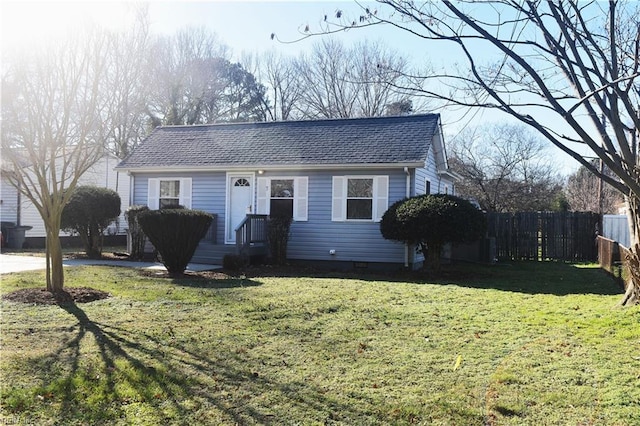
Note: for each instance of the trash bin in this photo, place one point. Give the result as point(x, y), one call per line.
point(16, 237)
point(4, 230)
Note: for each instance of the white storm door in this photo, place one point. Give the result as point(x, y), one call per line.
point(239, 202)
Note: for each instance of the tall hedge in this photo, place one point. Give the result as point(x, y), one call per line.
point(278, 234)
point(175, 233)
point(89, 212)
point(430, 221)
point(135, 231)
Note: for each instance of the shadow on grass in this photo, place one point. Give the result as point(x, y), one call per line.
point(202, 280)
point(215, 283)
point(556, 278)
point(165, 381)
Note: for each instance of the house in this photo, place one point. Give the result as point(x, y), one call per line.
point(335, 177)
point(16, 209)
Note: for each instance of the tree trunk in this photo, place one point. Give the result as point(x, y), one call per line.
point(431, 253)
point(632, 255)
point(55, 273)
point(93, 244)
point(55, 278)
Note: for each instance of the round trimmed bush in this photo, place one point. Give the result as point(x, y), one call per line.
point(89, 212)
point(430, 221)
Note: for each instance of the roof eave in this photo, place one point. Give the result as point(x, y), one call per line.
point(451, 174)
point(265, 167)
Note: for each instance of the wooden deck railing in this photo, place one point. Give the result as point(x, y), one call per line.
point(251, 232)
point(212, 235)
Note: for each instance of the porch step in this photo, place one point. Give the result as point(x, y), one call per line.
point(212, 254)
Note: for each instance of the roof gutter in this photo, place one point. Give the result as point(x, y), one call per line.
point(451, 174)
point(243, 167)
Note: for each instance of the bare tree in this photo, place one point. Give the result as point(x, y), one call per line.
point(124, 86)
point(552, 62)
point(350, 82)
point(284, 89)
point(51, 129)
point(327, 91)
point(505, 168)
point(585, 192)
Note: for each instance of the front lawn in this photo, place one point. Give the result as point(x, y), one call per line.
point(518, 344)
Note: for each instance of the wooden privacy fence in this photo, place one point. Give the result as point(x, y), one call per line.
point(608, 254)
point(615, 259)
point(569, 236)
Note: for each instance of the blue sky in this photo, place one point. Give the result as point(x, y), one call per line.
point(244, 26)
point(247, 26)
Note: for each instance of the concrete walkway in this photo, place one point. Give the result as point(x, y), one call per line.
point(14, 263)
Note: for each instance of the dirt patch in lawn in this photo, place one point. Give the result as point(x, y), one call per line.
point(40, 296)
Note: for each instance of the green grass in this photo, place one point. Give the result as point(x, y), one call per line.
point(539, 343)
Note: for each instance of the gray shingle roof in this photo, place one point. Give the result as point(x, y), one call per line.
point(383, 140)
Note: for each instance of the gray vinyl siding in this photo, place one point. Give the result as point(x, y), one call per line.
point(429, 172)
point(352, 241)
point(208, 192)
point(311, 239)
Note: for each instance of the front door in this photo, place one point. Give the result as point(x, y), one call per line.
point(239, 202)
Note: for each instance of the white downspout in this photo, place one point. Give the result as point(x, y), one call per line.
point(407, 194)
point(131, 199)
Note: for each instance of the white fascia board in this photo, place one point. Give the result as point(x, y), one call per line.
point(268, 167)
point(450, 173)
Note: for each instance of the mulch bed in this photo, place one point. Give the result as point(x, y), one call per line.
point(70, 295)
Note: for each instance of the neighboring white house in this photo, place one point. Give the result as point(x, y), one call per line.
point(9, 200)
point(615, 227)
point(19, 210)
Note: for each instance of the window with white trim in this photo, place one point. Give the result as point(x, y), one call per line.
point(427, 186)
point(286, 196)
point(169, 194)
point(281, 197)
point(166, 193)
point(359, 198)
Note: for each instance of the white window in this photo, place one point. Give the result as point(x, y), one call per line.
point(427, 186)
point(359, 198)
point(284, 196)
point(169, 192)
point(363, 198)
